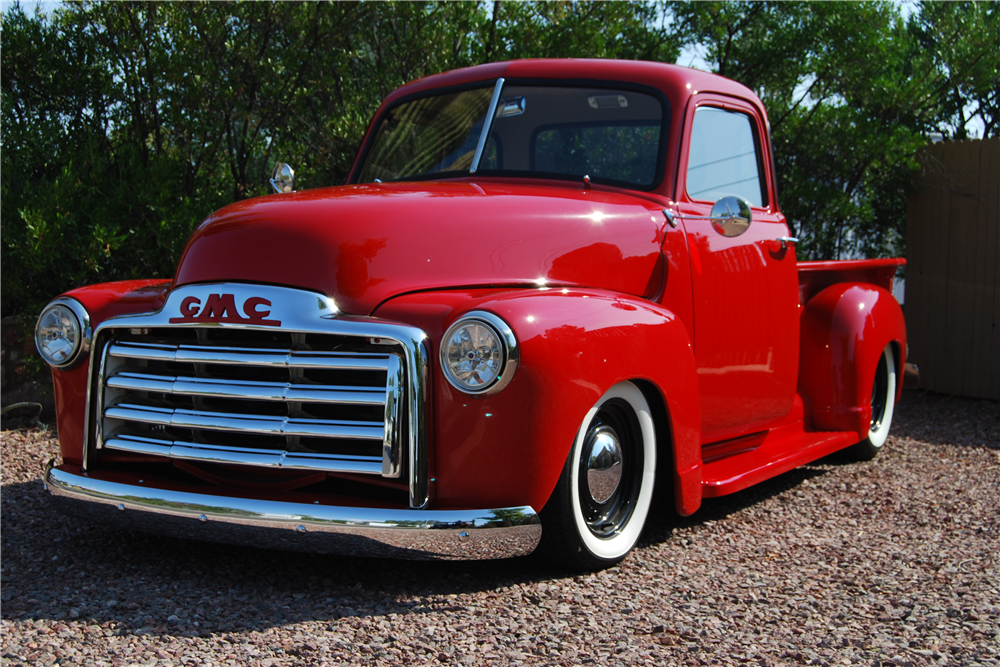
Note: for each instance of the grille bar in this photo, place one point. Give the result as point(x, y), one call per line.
point(175, 449)
point(327, 365)
point(262, 391)
point(196, 354)
point(245, 423)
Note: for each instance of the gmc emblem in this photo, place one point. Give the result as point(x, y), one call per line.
point(222, 308)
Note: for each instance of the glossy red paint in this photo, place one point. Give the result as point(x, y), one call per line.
point(678, 84)
point(70, 386)
point(574, 345)
point(364, 244)
point(128, 297)
point(814, 277)
point(745, 302)
point(845, 328)
point(70, 392)
point(753, 364)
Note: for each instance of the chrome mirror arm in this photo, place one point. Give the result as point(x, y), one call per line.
point(731, 216)
point(672, 218)
point(487, 126)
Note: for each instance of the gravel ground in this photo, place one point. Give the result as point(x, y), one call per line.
point(892, 562)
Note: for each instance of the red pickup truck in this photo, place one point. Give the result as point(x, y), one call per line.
point(547, 288)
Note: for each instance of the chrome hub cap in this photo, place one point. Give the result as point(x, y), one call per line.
point(610, 469)
point(604, 463)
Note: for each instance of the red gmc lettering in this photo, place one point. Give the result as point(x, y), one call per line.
point(222, 308)
point(190, 306)
point(250, 308)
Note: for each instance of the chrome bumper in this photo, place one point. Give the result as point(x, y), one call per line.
point(355, 531)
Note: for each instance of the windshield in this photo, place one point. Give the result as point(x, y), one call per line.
point(563, 132)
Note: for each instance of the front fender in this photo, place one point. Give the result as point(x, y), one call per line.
point(102, 302)
point(574, 344)
point(845, 328)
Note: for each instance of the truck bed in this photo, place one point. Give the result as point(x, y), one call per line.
point(815, 276)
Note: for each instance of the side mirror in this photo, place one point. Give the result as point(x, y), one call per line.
point(283, 179)
point(731, 216)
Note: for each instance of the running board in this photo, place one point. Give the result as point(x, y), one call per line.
point(779, 451)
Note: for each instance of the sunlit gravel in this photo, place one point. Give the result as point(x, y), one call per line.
point(891, 562)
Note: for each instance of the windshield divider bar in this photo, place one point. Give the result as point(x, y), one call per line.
point(487, 126)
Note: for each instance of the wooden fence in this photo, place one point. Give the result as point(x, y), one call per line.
point(953, 269)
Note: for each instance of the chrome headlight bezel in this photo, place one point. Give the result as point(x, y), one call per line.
point(79, 322)
point(507, 342)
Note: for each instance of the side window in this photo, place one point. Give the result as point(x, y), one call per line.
point(724, 157)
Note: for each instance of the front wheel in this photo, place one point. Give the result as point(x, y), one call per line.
point(882, 401)
point(599, 506)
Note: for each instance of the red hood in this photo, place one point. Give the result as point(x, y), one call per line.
point(363, 244)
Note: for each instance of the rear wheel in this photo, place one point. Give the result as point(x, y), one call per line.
point(882, 401)
point(599, 506)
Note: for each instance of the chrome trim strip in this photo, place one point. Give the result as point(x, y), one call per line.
point(249, 389)
point(238, 423)
point(487, 126)
point(299, 311)
point(392, 437)
point(252, 357)
point(99, 389)
point(266, 458)
point(357, 531)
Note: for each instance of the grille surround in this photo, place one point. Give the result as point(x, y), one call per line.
point(401, 435)
point(119, 377)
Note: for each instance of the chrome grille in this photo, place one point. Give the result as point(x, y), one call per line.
point(272, 401)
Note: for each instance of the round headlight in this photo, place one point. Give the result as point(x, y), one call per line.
point(479, 353)
point(62, 332)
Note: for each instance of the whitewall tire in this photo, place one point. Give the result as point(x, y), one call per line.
point(600, 505)
point(883, 400)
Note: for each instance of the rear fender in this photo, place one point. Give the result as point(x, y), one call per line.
point(574, 344)
point(845, 328)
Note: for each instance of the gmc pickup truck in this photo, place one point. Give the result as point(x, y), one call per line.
point(548, 288)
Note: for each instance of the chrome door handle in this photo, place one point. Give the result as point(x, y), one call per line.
point(785, 240)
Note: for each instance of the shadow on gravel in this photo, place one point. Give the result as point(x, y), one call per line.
point(662, 521)
point(55, 568)
point(138, 583)
point(60, 569)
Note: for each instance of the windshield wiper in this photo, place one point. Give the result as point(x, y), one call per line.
point(487, 126)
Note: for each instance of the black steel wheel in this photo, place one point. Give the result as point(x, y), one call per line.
point(598, 509)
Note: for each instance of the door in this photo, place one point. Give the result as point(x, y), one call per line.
point(745, 282)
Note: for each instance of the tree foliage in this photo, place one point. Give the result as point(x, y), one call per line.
point(852, 92)
point(126, 123)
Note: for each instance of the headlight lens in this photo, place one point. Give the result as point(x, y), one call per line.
point(479, 353)
point(60, 335)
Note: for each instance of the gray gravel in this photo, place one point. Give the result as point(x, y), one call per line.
point(892, 562)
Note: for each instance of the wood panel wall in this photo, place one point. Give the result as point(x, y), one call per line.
point(953, 269)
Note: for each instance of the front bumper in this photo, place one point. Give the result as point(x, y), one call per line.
point(355, 531)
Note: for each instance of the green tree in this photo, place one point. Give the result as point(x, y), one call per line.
point(852, 91)
point(125, 124)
